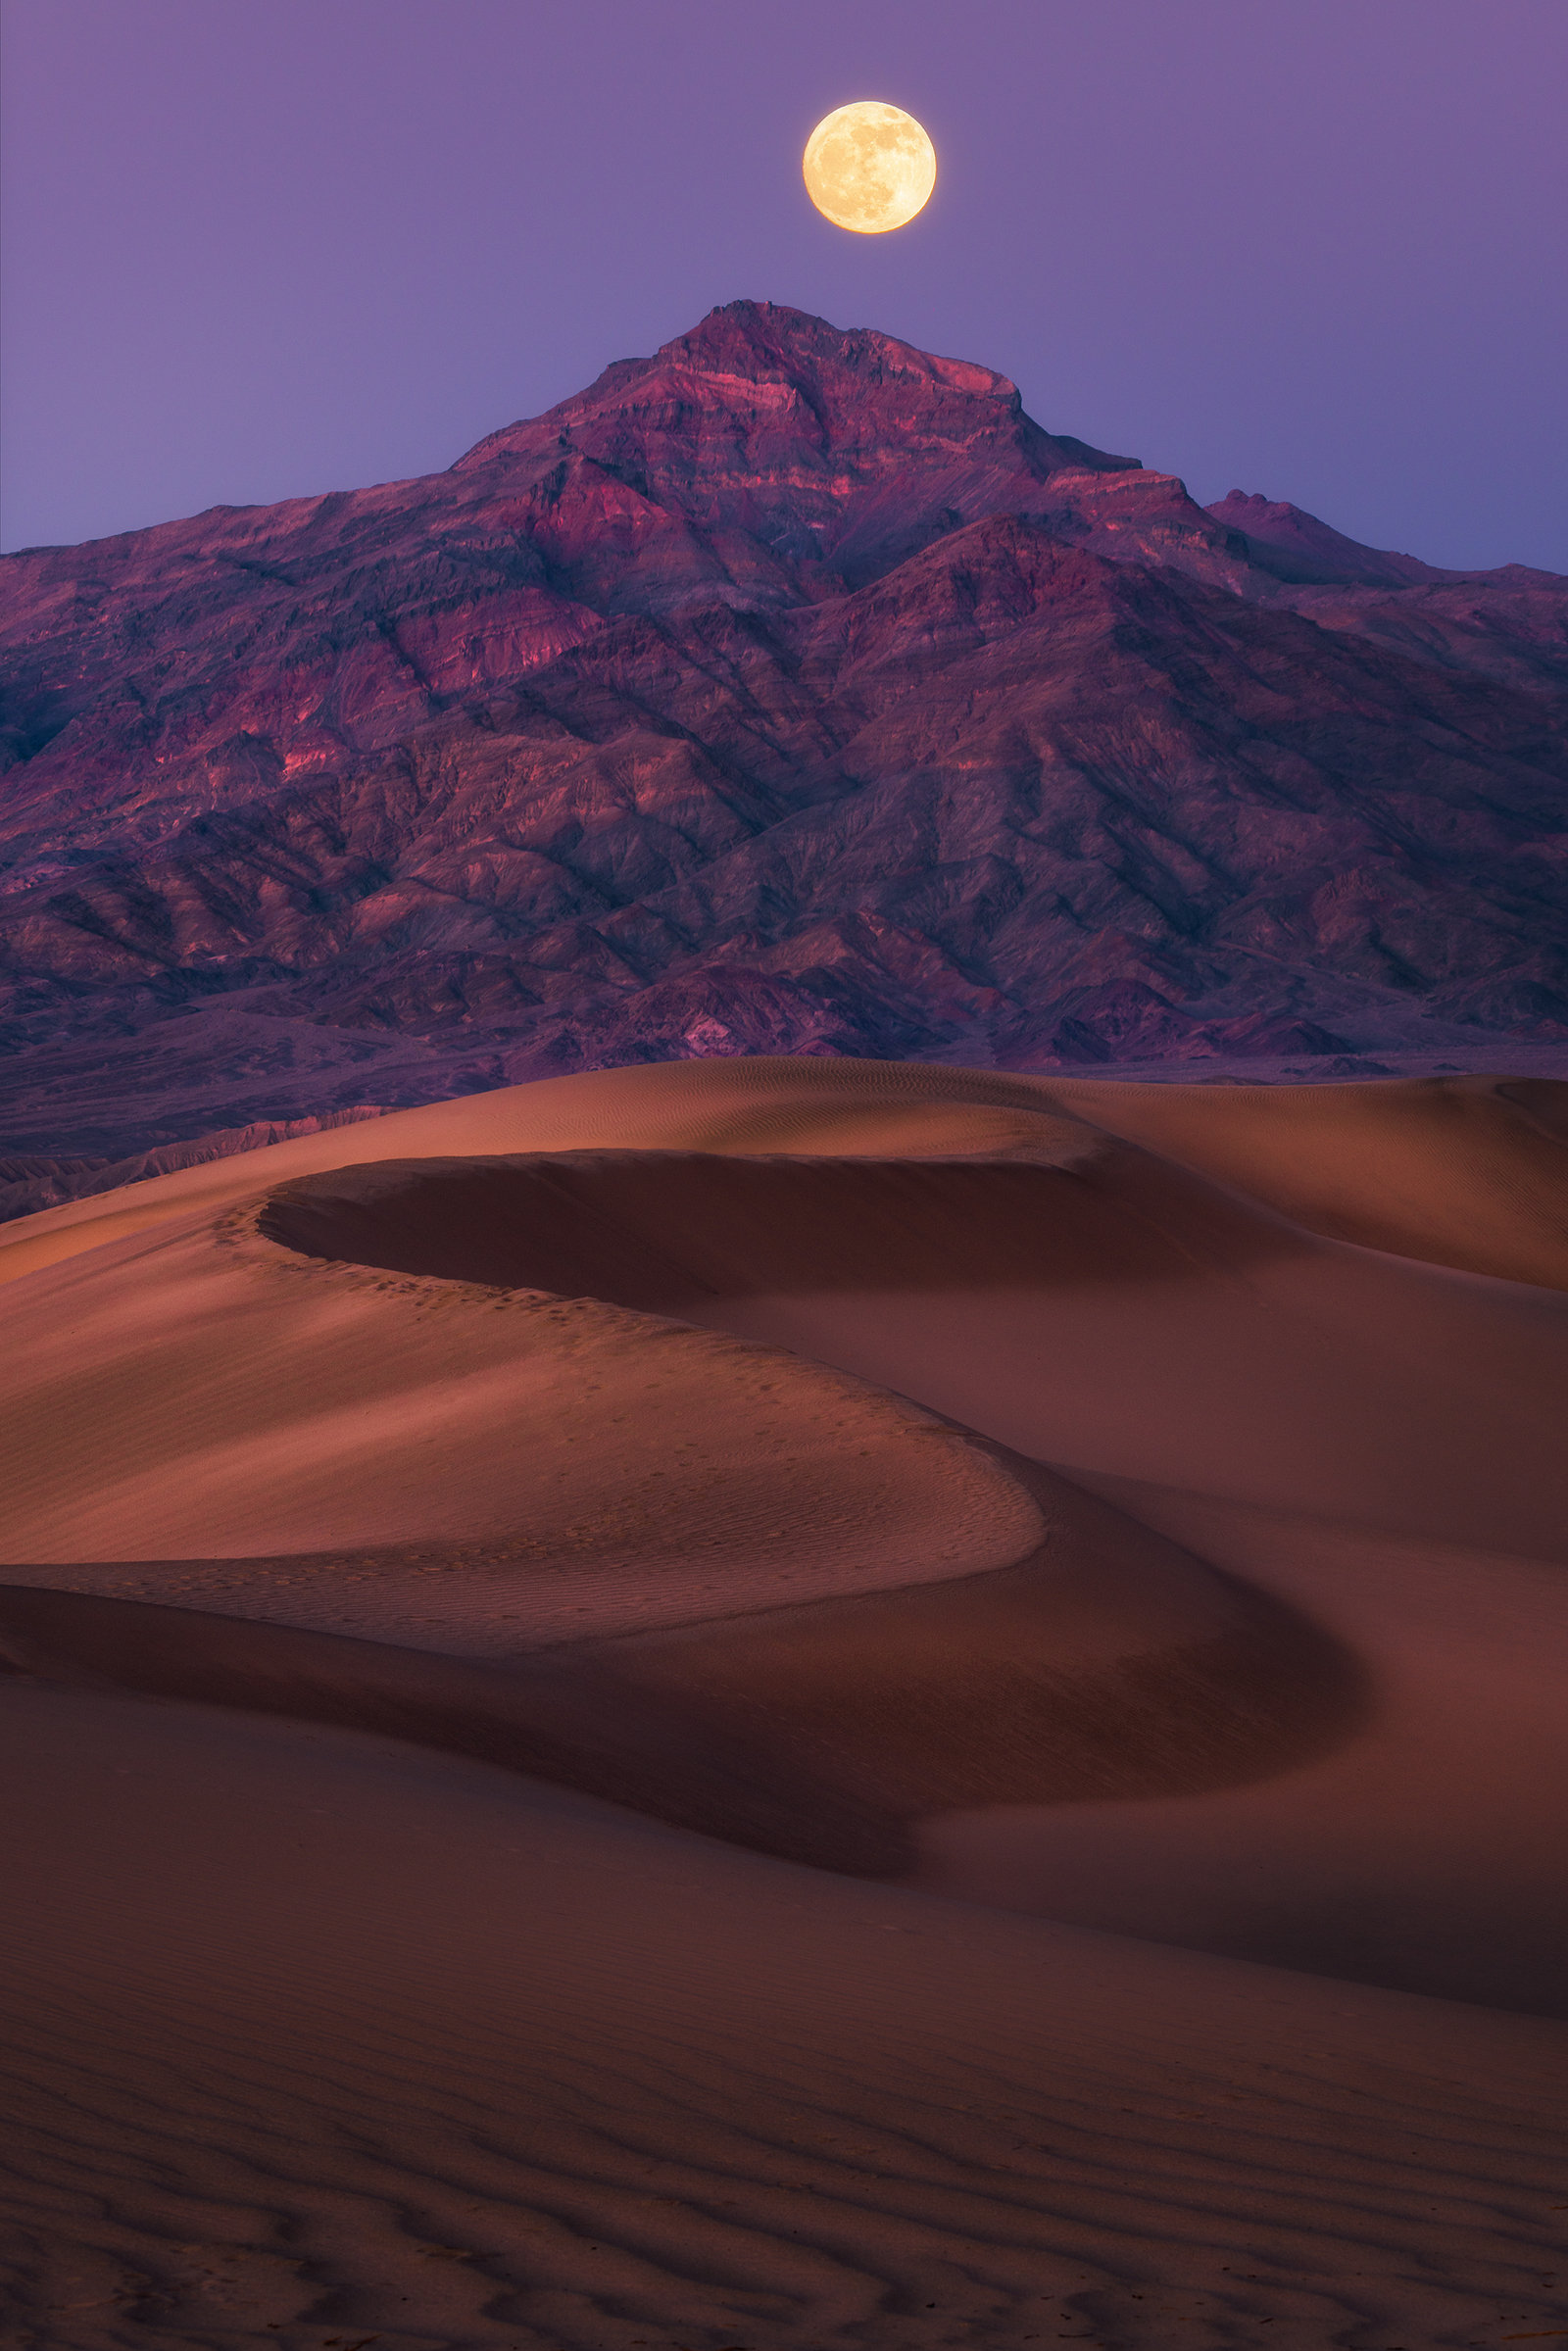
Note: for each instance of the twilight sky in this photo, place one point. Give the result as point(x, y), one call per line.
point(1318, 248)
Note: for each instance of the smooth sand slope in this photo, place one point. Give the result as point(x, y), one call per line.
point(546, 1652)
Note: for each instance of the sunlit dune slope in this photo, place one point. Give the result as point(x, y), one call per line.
point(523, 1468)
point(1118, 1315)
point(1468, 1172)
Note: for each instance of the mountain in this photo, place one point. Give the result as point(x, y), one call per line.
point(788, 691)
point(1295, 547)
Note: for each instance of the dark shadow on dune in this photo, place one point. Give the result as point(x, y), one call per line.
point(817, 1732)
point(663, 1231)
point(1543, 1099)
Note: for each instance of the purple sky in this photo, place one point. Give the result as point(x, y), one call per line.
point(1317, 250)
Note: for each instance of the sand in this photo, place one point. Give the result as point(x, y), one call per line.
point(791, 1703)
point(1463, 1171)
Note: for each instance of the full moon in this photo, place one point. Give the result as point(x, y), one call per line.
point(869, 167)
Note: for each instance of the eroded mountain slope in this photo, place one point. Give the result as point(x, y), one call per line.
point(788, 691)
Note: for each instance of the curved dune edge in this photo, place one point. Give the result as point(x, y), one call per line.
point(1119, 1302)
point(452, 1464)
point(902, 1617)
point(1470, 1172)
point(841, 1610)
point(1117, 1316)
point(1111, 1667)
point(671, 1232)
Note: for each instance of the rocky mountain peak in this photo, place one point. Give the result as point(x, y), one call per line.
point(761, 338)
point(776, 423)
point(789, 689)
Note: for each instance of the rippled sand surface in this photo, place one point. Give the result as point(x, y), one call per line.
point(797, 1704)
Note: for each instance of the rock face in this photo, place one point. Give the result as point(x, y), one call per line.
point(28, 1184)
point(788, 691)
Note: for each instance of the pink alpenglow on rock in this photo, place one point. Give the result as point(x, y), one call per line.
point(790, 691)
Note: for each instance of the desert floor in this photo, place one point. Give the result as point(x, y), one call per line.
point(796, 1703)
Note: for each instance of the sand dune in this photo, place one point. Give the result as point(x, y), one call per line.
point(1426, 1850)
point(199, 1393)
point(551, 1646)
point(1116, 1315)
point(1115, 1667)
point(1466, 1172)
point(322, 2035)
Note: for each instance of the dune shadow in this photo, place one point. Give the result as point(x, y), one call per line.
point(664, 1232)
point(818, 1733)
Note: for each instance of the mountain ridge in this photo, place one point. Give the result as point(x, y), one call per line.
point(788, 690)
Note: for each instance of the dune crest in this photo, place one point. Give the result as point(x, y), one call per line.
point(1468, 1172)
point(1118, 1315)
point(456, 1465)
